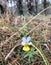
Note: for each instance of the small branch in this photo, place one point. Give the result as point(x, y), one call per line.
point(11, 51)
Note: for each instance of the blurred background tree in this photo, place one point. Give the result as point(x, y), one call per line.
point(22, 7)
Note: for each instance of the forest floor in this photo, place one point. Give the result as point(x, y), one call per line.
point(8, 26)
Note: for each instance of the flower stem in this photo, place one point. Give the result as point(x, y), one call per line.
point(42, 54)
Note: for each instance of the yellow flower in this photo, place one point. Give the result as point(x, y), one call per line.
point(26, 47)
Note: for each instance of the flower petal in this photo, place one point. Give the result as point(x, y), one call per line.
point(23, 43)
point(24, 39)
point(26, 48)
point(28, 39)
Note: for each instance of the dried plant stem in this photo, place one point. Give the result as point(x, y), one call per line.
point(42, 54)
point(41, 23)
point(11, 51)
point(26, 24)
point(39, 50)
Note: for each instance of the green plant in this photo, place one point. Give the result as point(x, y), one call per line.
point(30, 54)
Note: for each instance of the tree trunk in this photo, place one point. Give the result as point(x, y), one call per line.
point(30, 6)
point(36, 6)
point(3, 6)
point(45, 5)
point(20, 7)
